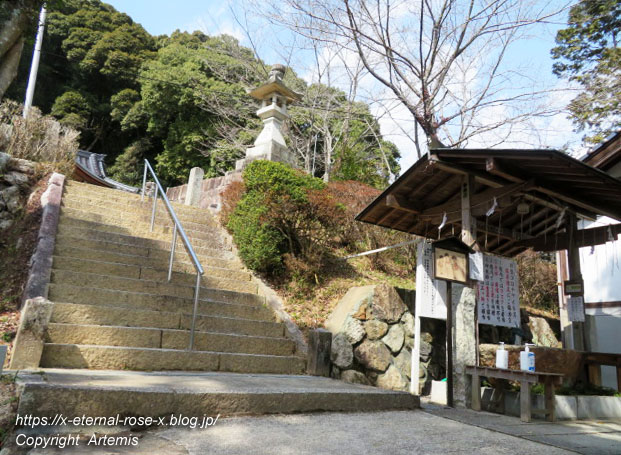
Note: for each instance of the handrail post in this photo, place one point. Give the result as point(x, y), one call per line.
point(144, 182)
point(195, 310)
point(172, 252)
point(154, 207)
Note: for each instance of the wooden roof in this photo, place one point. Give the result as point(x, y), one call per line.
point(607, 154)
point(551, 183)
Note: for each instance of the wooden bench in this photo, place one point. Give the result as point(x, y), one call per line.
point(526, 380)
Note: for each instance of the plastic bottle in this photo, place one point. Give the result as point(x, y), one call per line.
point(527, 359)
point(502, 357)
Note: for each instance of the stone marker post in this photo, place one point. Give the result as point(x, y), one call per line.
point(318, 358)
point(193, 195)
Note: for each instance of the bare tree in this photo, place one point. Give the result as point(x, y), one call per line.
point(445, 61)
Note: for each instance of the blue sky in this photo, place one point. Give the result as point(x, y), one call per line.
point(215, 17)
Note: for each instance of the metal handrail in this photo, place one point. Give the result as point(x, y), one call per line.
point(178, 229)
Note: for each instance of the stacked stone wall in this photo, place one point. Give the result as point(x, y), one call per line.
point(16, 179)
point(373, 338)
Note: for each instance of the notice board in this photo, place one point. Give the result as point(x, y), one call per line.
point(430, 293)
point(498, 294)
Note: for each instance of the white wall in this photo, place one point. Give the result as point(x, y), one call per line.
point(601, 271)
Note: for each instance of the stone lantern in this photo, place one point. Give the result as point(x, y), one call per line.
point(270, 144)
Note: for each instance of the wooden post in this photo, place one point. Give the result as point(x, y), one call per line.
point(549, 398)
point(449, 344)
point(415, 369)
point(573, 262)
point(525, 401)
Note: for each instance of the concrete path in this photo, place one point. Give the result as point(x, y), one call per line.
point(391, 432)
point(594, 437)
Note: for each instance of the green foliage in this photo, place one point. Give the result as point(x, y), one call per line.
point(128, 166)
point(72, 109)
point(271, 217)
point(186, 93)
point(588, 53)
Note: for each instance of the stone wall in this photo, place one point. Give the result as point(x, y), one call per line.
point(373, 336)
point(16, 179)
point(211, 191)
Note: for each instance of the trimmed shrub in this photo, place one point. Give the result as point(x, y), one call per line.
point(281, 213)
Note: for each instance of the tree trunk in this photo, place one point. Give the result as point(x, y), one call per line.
point(327, 153)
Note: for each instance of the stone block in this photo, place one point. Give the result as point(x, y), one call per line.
point(387, 304)
point(394, 338)
point(543, 335)
point(403, 362)
point(354, 377)
point(375, 329)
point(31, 334)
point(356, 303)
point(407, 321)
point(319, 353)
point(392, 379)
point(195, 181)
point(373, 354)
point(342, 354)
point(353, 330)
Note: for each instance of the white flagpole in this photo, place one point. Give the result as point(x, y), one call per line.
point(34, 67)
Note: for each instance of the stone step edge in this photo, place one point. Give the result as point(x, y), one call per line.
point(72, 400)
point(228, 253)
point(157, 269)
point(235, 266)
point(121, 195)
point(156, 329)
point(148, 294)
point(118, 214)
point(218, 353)
point(171, 283)
point(146, 205)
point(143, 236)
point(158, 228)
point(182, 313)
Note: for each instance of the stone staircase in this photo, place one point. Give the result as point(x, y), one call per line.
point(114, 308)
point(118, 335)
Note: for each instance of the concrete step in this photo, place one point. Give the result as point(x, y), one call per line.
point(108, 393)
point(70, 313)
point(141, 337)
point(138, 212)
point(115, 253)
point(131, 225)
point(69, 235)
point(78, 189)
point(133, 269)
point(149, 359)
point(143, 233)
point(101, 280)
point(145, 300)
point(122, 300)
point(185, 215)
